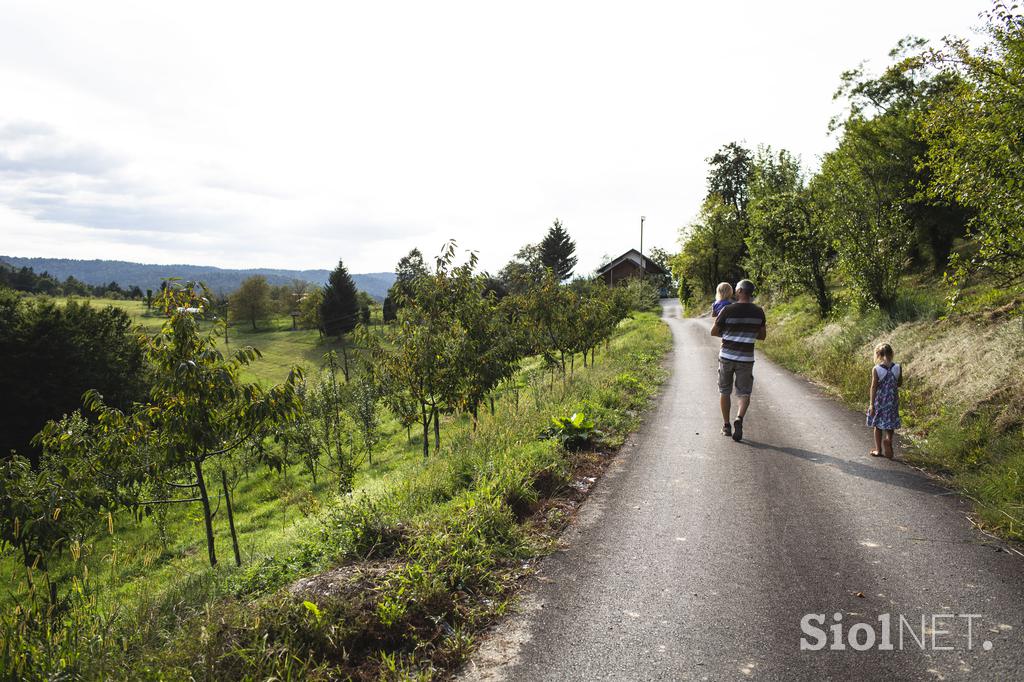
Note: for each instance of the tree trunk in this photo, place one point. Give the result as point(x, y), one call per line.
point(254, 324)
point(426, 430)
point(207, 515)
point(284, 507)
point(492, 405)
point(231, 517)
point(344, 357)
point(437, 430)
point(821, 292)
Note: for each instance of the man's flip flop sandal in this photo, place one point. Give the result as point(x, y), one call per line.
point(875, 453)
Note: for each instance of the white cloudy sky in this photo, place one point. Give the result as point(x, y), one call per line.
point(292, 134)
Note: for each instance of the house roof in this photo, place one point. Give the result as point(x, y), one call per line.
point(638, 260)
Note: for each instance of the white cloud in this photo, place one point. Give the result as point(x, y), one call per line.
point(248, 134)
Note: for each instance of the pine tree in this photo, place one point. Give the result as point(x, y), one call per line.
point(556, 251)
point(339, 311)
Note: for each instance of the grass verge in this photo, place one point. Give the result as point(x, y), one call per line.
point(394, 581)
point(960, 405)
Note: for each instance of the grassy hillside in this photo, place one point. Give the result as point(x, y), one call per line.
point(961, 403)
point(394, 579)
point(280, 345)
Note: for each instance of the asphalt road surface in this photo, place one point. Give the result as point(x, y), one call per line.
point(697, 557)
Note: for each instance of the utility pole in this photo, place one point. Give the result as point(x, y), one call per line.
point(643, 267)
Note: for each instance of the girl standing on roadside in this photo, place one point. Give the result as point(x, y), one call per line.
point(884, 405)
point(723, 297)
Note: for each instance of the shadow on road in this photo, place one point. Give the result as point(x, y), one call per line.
point(890, 476)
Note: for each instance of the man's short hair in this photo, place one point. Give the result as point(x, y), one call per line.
point(745, 285)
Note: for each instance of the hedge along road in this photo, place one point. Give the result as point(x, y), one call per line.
point(697, 557)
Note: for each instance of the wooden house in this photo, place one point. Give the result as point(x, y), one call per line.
point(630, 265)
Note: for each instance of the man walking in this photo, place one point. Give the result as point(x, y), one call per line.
point(739, 324)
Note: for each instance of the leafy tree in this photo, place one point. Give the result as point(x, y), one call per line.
point(299, 288)
point(281, 299)
point(729, 176)
point(198, 409)
point(599, 309)
point(339, 312)
point(550, 313)
point(366, 395)
point(557, 251)
point(664, 259)
point(788, 241)
point(389, 310)
point(493, 343)
point(319, 432)
point(523, 271)
point(309, 308)
point(74, 287)
point(871, 236)
point(46, 508)
point(425, 357)
point(53, 354)
point(975, 139)
point(26, 279)
point(882, 133)
point(410, 267)
point(712, 247)
point(252, 301)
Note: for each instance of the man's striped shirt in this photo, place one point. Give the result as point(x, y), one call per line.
point(739, 324)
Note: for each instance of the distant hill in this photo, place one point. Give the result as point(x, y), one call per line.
point(147, 276)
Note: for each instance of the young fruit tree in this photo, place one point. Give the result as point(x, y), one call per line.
point(198, 409)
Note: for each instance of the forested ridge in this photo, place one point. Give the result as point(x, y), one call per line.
point(142, 276)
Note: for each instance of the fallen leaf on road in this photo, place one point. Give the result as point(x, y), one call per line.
point(859, 594)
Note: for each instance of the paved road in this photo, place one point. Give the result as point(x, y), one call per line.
point(696, 557)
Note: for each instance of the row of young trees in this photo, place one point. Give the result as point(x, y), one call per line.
point(459, 335)
point(197, 425)
point(926, 175)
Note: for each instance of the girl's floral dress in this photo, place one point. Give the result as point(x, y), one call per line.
point(887, 403)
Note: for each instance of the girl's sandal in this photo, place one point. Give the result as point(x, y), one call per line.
point(875, 453)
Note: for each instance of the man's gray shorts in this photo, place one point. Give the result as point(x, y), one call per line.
point(743, 372)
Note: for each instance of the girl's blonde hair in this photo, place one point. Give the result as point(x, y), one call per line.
point(723, 291)
point(883, 351)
